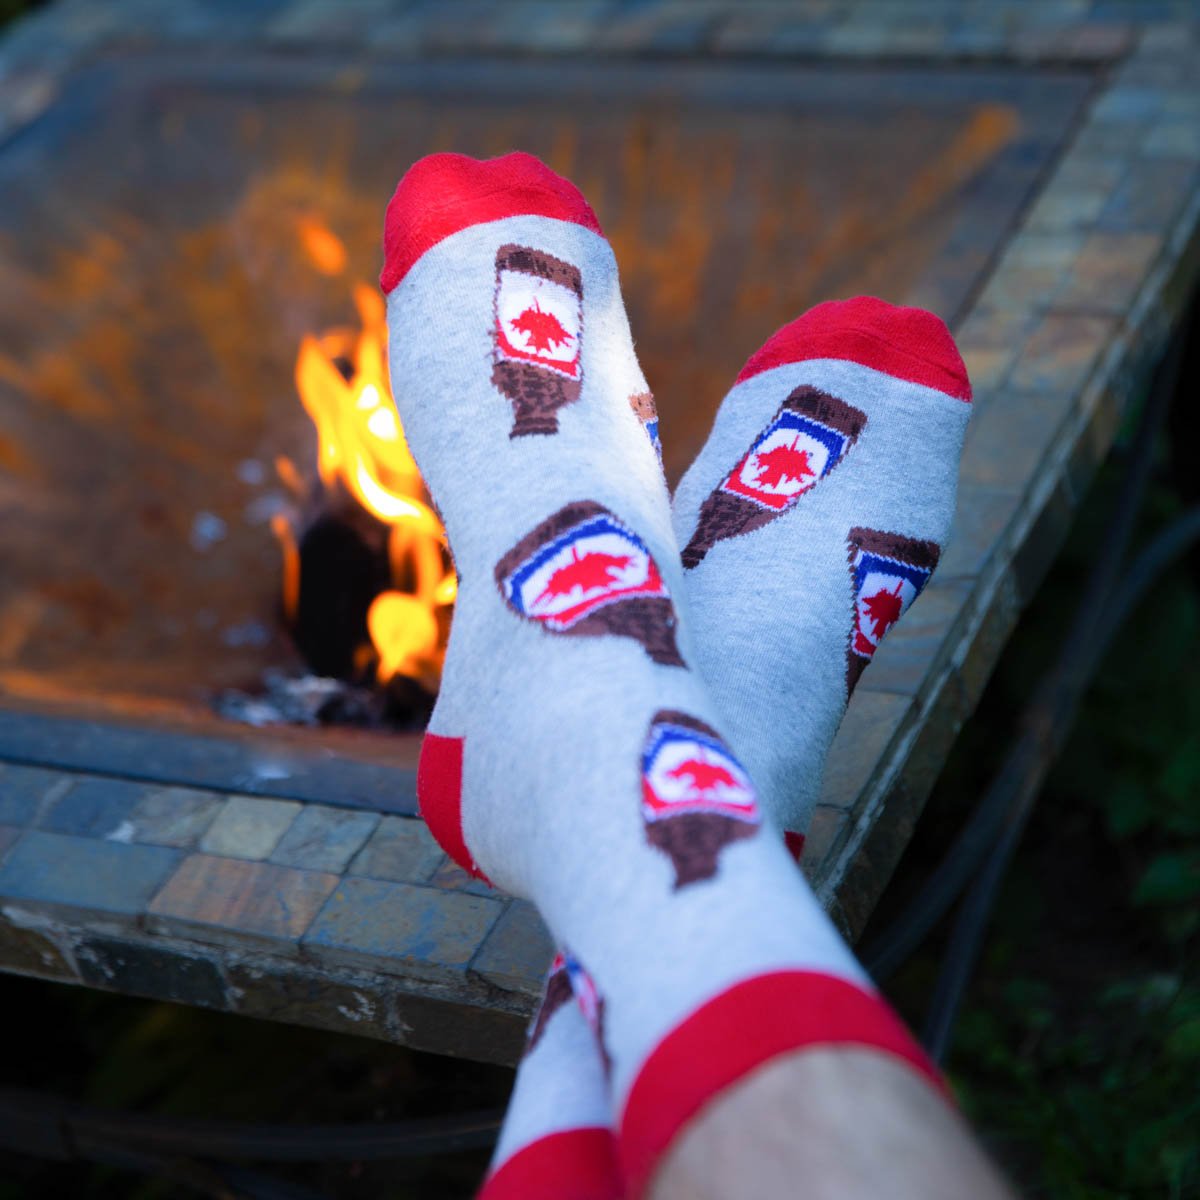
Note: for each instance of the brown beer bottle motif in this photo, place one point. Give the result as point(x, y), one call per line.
point(584, 572)
point(887, 572)
point(557, 993)
point(539, 327)
point(643, 407)
point(696, 797)
point(810, 434)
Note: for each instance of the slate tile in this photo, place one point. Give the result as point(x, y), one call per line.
point(980, 520)
point(26, 790)
point(825, 835)
point(244, 898)
point(452, 877)
point(1109, 272)
point(1032, 272)
point(161, 972)
point(1062, 352)
point(322, 838)
point(990, 340)
point(1152, 196)
point(103, 876)
point(517, 951)
point(401, 849)
point(1006, 446)
point(248, 827)
point(94, 807)
point(872, 721)
point(429, 931)
point(174, 816)
point(1176, 137)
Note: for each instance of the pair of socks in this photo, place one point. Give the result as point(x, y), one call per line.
point(637, 698)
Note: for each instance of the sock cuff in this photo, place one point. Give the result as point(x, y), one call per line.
point(907, 343)
point(737, 1031)
point(574, 1164)
point(439, 797)
point(442, 194)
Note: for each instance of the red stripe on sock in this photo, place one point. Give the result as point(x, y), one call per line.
point(795, 843)
point(439, 795)
point(576, 1164)
point(908, 343)
point(445, 193)
point(738, 1031)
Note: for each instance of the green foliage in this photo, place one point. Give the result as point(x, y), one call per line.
point(1078, 1050)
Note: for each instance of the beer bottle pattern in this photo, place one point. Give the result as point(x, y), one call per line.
point(556, 993)
point(810, 434)
point(583, 572)
point(539, 327)
point(887, 572)
point(642, 404)
point(696, 797)
point(591, 1004)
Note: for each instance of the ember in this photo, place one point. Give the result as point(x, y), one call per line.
point(368, 584)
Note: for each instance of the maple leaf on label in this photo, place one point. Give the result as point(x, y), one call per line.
point(543, 330)
point(884, 609)
point(780, 463)
point(592, 571)
point(703, 777)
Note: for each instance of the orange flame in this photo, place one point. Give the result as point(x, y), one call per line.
point(342, 379)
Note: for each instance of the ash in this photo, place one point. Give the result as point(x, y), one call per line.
point(287, 698)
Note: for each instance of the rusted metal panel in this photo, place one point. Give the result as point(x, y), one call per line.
point(154, 295)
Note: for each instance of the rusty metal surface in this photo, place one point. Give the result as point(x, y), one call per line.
point(152, 295)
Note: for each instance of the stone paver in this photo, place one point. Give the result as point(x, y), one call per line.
point(431, 932)
point(401, 849)
point(243, 897)
point(174, 816)
point(25, 791)
point(249, 828)
point(323, 838)
point(85, 873)
point(517, 951)
point(94, 808)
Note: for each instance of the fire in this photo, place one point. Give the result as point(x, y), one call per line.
point(341, 376)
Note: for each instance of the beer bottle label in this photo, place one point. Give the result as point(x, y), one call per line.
point(539, 329)
point(696, 797)
point(584, 572)
point(887, 572)
point(642, 404)
point(809, 435)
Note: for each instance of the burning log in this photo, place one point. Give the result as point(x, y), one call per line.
point(368, 584)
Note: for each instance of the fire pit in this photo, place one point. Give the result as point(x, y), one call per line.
point(182, 237)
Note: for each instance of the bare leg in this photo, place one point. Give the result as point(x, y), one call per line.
point(829, 1124)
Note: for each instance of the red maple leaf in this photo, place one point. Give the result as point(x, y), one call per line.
point(544, 330)
point(703, 777)
point(884, 609)
point(592, 571)
point(780, 463)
